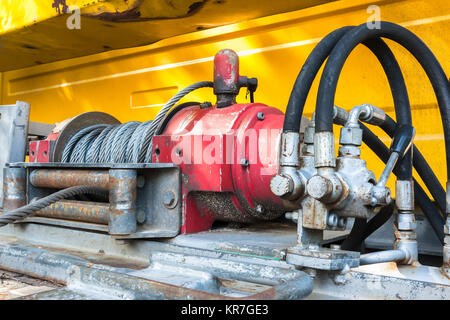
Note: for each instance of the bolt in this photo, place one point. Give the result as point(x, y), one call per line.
point(140, 216)
point(291, 216)
point(332, 220)
point(281, 185)
point(169, 199)
point(244, 162)
point(319, 187)
point(342, 222)
point(259, 208)
point(260, 116)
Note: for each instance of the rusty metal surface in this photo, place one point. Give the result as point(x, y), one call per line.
point(122, 201)
point(83, 279)
point(146, 201)
point(14, 186)
point(119, 283)
point(60, 179)
point(85, 211)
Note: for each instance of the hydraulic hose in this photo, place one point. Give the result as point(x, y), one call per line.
point(302, 86)
point(336, 60)
point(421, 165)
point(312, 65)
point(305, 78)
point(29, 209)
point(362, 229)
point(421, 198)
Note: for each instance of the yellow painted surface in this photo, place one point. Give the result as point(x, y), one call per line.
point(34, 32)
point(131, 84)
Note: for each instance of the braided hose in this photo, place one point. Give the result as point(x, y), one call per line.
point(29, 209)
point(130, 142)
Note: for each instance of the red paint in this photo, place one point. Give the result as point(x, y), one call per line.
point(39, 151)
point(195, 131)
point(226, 72)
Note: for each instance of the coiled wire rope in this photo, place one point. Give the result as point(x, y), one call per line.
point(130, 142)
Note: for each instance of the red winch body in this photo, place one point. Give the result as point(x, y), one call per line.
point(227, 157)
point(227, 153)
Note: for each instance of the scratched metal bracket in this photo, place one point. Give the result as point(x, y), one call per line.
point(322, 258)
point(13, 135)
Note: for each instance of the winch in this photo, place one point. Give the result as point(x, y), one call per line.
point(187, 186)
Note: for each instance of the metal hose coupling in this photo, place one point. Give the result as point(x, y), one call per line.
point(288, 183)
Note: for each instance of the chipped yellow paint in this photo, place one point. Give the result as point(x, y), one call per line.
point(132, 84)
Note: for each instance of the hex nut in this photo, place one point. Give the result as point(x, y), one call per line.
point(281, 185)
point(406, 221)
point(319, 187)
point(351, 136)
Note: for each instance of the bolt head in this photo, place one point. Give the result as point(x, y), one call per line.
point(406, 221)
point(259, 208)
point(332, 220)
point(342, 223)
point(260, 116)
point(319, 187)
point(350, 136)
point(169, 198)
point(244, 162)
point(281, 185)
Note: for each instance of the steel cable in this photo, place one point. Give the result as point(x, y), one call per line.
point(25, 211)
point(130, 142)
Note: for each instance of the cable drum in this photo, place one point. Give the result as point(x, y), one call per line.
point(130, 142)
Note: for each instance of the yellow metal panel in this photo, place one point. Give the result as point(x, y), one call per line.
point(34, 32)
point(131, 83)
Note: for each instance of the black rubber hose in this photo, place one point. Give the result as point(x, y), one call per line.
point(353, 241)
point(421, 198)
point(398, 88)
point(423, 168)
point(299, 93)
point(336, 60)
point(27, 210)
point(362, 229)
point(305, 78)
point(399, 94)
